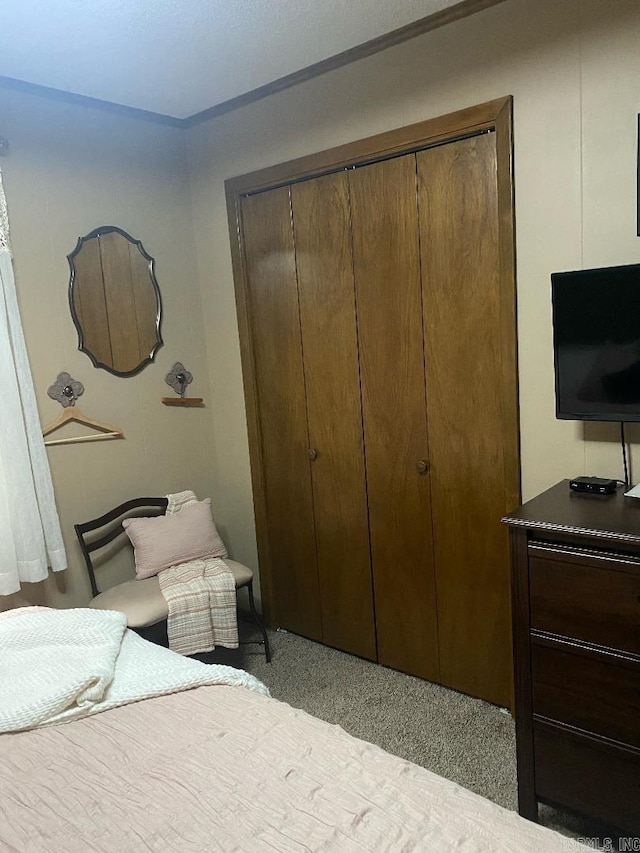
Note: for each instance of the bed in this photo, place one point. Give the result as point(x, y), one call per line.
point(112, 744)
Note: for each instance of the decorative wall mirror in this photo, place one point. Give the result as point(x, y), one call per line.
point(115, 301)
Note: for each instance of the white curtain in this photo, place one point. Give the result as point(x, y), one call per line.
point(30, 536)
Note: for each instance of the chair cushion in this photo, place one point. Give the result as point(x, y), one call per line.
point(243, 575)
point(168, 540)
point(141, 601)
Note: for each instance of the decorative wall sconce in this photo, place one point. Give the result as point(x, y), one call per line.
point(65, 390)
point(178, 378)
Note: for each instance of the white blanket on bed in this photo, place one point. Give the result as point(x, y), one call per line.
point(58, 665)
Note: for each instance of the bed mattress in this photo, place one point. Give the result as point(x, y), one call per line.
point(221, 768)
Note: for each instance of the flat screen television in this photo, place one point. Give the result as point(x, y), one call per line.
point(596, 341)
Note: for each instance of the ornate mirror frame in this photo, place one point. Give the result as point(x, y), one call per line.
point(115, 301)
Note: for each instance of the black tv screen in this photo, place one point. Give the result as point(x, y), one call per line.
point(596, 340)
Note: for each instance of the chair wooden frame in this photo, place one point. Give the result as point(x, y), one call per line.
point(89, 545)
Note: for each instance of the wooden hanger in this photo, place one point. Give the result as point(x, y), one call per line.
point(72, 413)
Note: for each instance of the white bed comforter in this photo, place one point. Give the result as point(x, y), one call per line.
point(59, 665)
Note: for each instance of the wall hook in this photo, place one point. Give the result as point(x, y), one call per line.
point(178, 378)
point(65, 390)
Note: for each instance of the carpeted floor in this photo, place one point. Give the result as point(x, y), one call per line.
point(453, 735)
point(463, 739)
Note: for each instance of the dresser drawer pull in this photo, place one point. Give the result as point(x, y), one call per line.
point(557, 550)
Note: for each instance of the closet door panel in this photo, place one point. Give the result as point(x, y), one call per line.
point(279, 377)
point(388, 294)
point(330, 347)
point(466, 395)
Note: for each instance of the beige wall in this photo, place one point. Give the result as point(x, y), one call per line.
point(573, 69)
point(69, 170)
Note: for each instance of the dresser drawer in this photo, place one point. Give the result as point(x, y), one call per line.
point(585, 595)
point(588, 775)
point(599, 693)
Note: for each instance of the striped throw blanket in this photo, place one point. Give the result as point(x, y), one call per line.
point(201, 597)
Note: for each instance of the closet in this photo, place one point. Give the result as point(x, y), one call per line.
point(376, 308)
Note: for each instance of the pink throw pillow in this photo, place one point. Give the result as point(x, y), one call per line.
point(167, 540)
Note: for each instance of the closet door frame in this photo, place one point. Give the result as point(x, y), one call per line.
point(496, 116)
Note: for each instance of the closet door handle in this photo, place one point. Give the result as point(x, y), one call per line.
point(313, 454)
point(422, 466)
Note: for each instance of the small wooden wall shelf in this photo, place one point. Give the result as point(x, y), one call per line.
point(182, 401)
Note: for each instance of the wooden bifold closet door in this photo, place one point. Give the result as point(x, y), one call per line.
point(386, 249)
point(279, 378)
point(326, 296)
point(381, 353)
point(469, 411)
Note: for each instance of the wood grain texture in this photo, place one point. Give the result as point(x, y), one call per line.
point(589, 775)
point(275, 329)
point(118, 288)
point(90, 303)
point(144, 300)
point(330, 347)
point(387, 272)
point(115, 300)
point(576, 655)
point(592, 520)
point(391, 143)
point(465, 395)
point(492, 115)
point(590, 690)
point(241, 290)
point(586, 598)
point(522, 707)
point(510, 413)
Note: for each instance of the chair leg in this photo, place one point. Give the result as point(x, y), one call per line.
point(258, 621)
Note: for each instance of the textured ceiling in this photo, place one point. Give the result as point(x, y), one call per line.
point(180, 57)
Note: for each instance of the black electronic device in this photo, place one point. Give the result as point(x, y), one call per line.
point(595, 485)
point(596, 341)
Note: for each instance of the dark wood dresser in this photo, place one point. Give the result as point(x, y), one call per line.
point(576, 617)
